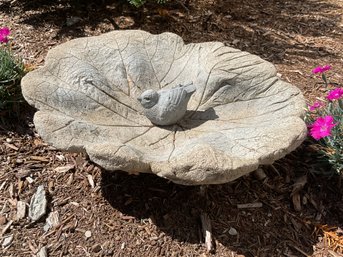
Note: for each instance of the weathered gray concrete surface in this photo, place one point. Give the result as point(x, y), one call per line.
point(240, 116)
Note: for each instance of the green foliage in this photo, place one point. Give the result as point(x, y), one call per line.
point(11, 72)
point(330, 147)
point(139, 3)
point(334, 144)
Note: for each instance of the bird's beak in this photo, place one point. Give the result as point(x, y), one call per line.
point(139, 98)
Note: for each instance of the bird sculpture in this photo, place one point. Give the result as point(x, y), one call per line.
point(166, 106)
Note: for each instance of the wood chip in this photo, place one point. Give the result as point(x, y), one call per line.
point(207, 232)
point(3, 220)
point(60, 157)
point(233, 231)
point(96, 248)
point(90, 180)
point(22, 173)
point(88, 234)
point(7, 241)
point(32, 248)
point(334, 254)
point(43, 252)
point(38, 204)
point(8, 225)
point(2, 185)
point(297, 187)
point(11, 190)
point(70, 179)
point(29, 179)
point(52, 221)
point(75, 204)
point(21, 210)
point(260, 174)
point(51, 187)
point(39, 158)
point(65, 168)
point(58, 202)
point(296, 201)
point(37, 142)
point(11, 146)
point(249, 205)
point(299, 183)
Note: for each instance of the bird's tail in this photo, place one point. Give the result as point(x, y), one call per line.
point(190, 88)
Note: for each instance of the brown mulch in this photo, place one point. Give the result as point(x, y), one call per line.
point(295, 210)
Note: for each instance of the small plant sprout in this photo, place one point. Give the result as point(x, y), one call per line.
point(11, 72)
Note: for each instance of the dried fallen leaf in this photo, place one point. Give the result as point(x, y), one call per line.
point(124, 22)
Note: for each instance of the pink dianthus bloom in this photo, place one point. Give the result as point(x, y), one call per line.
point(322, 127)
point(4, 32)
point(315, 105)
point(335, 94)
point(321, 69)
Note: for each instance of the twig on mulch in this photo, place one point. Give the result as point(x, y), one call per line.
point(332, 237)
point(249, 205)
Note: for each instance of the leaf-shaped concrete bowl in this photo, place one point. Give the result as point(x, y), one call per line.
point(241, 115)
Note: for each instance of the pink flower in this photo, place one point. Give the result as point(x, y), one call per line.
point(4, 32)
point(315, 105)
point(335, 94)
point(322, 127)
point(321, 69)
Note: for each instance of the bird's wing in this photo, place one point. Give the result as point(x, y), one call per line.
point(177, 95)
point(175, 98)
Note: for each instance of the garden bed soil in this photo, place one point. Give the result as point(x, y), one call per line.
point(295, 210)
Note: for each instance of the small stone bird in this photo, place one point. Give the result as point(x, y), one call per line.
point(166, 106)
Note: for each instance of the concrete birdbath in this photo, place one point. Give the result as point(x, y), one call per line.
point(240, 115)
